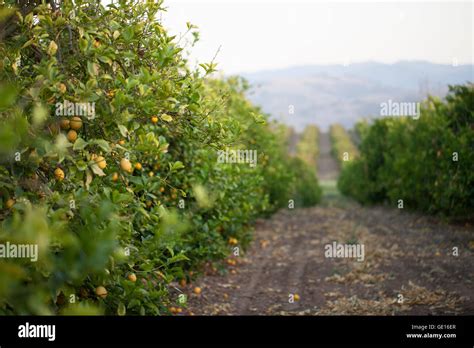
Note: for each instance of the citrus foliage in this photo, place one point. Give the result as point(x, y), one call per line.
point(428, 163)
point(343, 148)
point(126, 199)
point(307, 153)
point(307, 146)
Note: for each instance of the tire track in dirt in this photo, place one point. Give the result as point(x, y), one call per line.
point(399, 259)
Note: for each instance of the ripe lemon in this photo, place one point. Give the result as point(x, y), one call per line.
point(59, 174)
point(132, 277)
point(9, 203)
point(101, 291)
point(75, 123)
point(100, 162)
point(62, 88)
point(197, 290)
point(115, 176)
point(151, 174)
point(64, 124)
point(72, 135)
point(138, 166)
point(154, 119)
point(126, 165)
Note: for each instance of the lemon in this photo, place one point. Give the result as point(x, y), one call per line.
point(64, 124)
point(9, 203)
point(59, 174)
point(72, 135)
point(100, 162)
point(126, 165)
point(101, 291)
point(76, 123)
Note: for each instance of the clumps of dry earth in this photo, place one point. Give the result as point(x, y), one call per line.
point(408, 267)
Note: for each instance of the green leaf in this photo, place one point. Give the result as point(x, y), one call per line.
point(106, 60)
point(177, 165)
point(128, 33)
point(123, 130)
point(104, 145)
point(81, 165)
point(92, 69)
point(95, 168)
point(79, 144)
point(166, 117)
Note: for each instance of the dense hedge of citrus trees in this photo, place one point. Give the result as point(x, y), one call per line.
point(428, 163)
point(307, 153)
point(307, 146)
point(131, 198)
point(343, 149)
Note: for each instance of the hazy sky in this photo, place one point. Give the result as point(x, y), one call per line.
point(264, 34)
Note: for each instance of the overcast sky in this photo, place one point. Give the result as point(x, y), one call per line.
point(264, 34)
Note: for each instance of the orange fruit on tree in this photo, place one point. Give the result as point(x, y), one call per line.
point(121, 142)
point(138, 166)
point(64, 124)
point(62, 88)
point(101, 291)
point(59, 174)
point(126, 165)
point(75, 123)
point(101, 163)
point(72, 135)
point(154, 119)
point(9, 203)
point(132, 277)
point(115, 176)
point(151, 174)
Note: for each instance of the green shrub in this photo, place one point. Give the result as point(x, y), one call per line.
point(96, 221)
point(415, 160)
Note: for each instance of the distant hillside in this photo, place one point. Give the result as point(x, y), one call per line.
point(325, 94)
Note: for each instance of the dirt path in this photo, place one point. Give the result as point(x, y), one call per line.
point(408, 265)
